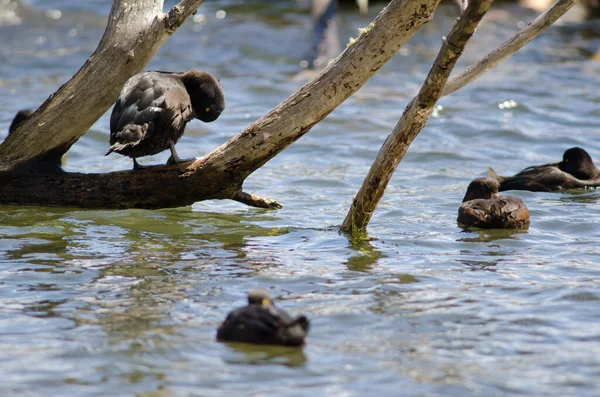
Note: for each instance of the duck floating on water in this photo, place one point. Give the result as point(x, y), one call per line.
point(575, 171)
point(260, 322)
point(482, 207)
point(153, 109)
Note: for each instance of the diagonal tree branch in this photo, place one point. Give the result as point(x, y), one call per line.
point(524, 36)
point(413, 120)
point(134, 32)
point(220, 174)
point(179, 13)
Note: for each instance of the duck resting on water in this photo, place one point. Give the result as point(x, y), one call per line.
point(482, 207)
point(260, 322)
point(153, 109)
point(575, 171)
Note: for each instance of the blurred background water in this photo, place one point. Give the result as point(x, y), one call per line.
point(123, 303)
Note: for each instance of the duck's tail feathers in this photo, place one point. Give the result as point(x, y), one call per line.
point(119, 147)
point(494, 175)
point(303, 322)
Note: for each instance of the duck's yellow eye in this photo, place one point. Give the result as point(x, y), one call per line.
point(207, 109)
point(265, 301)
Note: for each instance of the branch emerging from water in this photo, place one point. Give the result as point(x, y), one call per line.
point(413, 120)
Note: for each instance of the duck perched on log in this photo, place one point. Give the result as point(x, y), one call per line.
point(260, 322)
point(482, 207)
point(153, 109)
point(576, 170)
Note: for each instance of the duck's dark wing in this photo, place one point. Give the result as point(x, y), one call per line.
point(474, 213)
point(248, 324)
point(510, 212)
point(149, 105)
point(497, 213)
point(259, 325)
point(546, 178)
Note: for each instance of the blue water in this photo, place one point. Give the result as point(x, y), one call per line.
point(126, 303)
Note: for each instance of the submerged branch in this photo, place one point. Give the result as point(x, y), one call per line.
point(255, 201)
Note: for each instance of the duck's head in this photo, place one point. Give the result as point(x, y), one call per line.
point(578, 163)
point(481, 188)
point(206, 94)
point(259, 297)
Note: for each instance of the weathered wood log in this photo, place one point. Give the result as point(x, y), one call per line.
point(153, 187)
point(220, 174)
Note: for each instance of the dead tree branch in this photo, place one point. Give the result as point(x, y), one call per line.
point(220, 174)
point(413, 120)
point(524, 36)
point(134, 32)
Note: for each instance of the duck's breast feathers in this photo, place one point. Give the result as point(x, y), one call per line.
point(149, 96)
point(177, 108)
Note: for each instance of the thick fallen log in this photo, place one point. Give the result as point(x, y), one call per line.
point(219, 174)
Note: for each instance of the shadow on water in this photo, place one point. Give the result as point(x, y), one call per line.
point(260, 354)
point(581, 196)
point(477, 264)
point(473, 235)
point(365, 255)
point(131, 235)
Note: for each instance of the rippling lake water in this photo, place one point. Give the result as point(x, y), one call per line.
point(124, 303)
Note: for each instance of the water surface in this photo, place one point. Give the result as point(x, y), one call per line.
point(123, 303)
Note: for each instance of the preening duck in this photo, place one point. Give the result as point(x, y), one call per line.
point(575, 171)
point(482, 207)
point(153, 109)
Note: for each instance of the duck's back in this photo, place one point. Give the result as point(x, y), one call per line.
point(543, 178)
point(151, 110)
point(505, 212)
point(263, 325)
